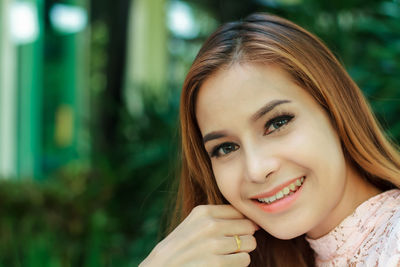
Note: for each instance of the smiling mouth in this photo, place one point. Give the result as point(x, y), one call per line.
point(284, 192)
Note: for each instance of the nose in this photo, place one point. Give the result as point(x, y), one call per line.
point(260, 164)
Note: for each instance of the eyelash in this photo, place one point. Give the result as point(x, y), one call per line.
point(279, 118)
point(283, 117)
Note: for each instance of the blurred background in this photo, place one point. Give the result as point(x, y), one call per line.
point(89, 98)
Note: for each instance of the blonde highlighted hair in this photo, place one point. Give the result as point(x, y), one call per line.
point(268, 39)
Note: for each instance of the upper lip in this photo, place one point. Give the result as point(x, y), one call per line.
point(276, 189)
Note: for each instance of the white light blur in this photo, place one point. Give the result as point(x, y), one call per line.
point(181, 21)
point(24, 25)
point(68, 19)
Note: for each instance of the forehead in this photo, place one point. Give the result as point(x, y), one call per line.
point(241, 89)
point(246, 80)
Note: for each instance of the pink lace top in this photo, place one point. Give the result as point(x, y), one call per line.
point(368, 237)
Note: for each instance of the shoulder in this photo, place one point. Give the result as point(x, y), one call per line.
point(389, 231)
point(381, 232)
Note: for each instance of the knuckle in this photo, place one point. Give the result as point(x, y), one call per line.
point(201, 210)
point(211, 225)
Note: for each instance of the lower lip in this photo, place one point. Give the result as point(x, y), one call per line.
point(282, 204)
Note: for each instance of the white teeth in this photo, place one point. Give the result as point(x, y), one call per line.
point(292, 187)
point(284, 192)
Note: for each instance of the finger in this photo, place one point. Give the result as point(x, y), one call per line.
point(237, 227)
point(226, 212)
point(218, 211)
point(237, 259)
point(228, 245)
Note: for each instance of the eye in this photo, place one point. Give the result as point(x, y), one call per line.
point(276, 123)
point(224, 149)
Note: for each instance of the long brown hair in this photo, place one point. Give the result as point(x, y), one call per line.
point(268, 39)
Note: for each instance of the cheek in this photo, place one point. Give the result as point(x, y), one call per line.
point(228, 180)
point(319, 149)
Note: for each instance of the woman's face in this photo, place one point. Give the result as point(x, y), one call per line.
point(274, 153)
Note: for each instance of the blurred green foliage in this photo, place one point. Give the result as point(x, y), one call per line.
point(113, 213)
point(102, 216)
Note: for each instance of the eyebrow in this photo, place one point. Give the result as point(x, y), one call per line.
point(212, 136)
point(267, 108)
point(259, 113)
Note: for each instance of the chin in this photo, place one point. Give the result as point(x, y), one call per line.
point(283, 234)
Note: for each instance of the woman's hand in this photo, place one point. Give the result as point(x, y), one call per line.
point(206, 238)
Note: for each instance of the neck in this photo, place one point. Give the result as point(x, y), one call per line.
point(357, 190)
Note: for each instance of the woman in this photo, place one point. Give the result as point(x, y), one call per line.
point(283, 161)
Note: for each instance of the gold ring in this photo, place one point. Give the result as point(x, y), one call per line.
point(238, 243)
